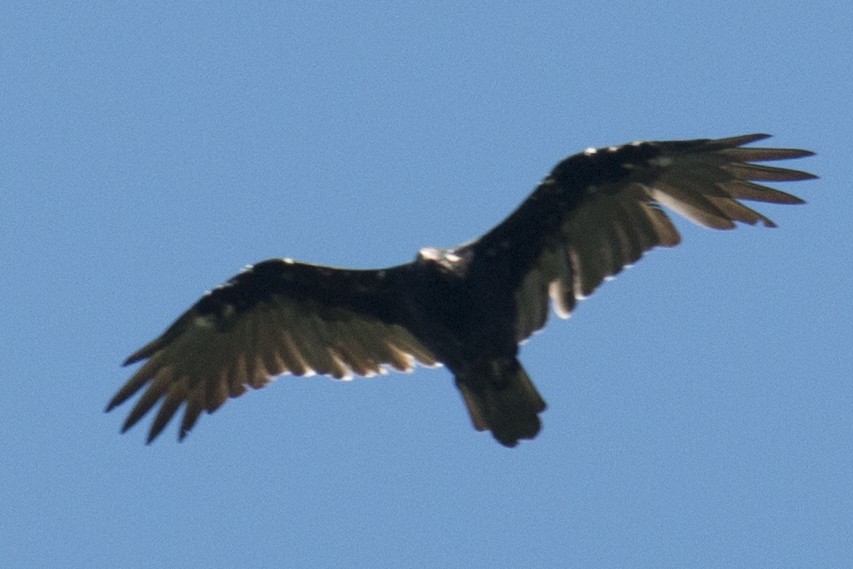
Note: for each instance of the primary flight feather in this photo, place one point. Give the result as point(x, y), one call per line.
point(466, 307)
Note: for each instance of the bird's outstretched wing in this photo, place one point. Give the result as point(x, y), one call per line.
point(600, 210)
point(275, 317)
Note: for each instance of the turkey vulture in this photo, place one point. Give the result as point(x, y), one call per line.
point(467, 307)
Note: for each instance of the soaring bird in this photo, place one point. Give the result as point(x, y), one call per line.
point(467, 307)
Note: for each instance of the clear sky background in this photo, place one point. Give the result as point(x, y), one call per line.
point(700, 406)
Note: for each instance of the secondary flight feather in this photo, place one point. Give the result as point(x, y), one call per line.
point(467, 307)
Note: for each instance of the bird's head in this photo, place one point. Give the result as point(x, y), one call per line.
point(444, 259)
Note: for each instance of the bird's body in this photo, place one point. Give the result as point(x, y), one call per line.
point(467, 307)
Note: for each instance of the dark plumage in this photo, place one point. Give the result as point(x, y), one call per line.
point(466, 307)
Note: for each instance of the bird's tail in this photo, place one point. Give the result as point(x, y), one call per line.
point(501, 398)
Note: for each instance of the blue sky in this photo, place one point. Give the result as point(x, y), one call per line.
point(700, 406)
